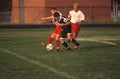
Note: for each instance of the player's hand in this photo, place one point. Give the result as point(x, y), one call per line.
point(60, 25)
point(57, 26)
point(42, 18)
point(78, 23)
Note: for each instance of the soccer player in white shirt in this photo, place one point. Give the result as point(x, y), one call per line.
point(76, 17)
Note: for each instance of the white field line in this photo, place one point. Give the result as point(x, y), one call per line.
point(40, 64)
point(104, 39)
point(100, 40)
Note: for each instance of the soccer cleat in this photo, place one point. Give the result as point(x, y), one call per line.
point(68, 41)
point(68, 48)
point(77, 46)
point(43, 43)
point(57, 50)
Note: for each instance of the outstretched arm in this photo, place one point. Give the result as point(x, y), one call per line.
point(67, 23)
point(47, 18)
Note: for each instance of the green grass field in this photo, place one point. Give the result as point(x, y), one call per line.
point(23, 57)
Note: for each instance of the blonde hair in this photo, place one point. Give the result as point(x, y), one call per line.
point(75, 4)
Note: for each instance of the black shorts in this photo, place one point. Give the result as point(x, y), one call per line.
point(66, 30)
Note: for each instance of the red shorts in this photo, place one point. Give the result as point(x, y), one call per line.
point(58, 30)
point(75, 28)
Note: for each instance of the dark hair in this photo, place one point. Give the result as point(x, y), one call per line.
point(56, 14)
point(53, 8)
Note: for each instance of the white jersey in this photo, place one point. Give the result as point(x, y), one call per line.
point(76, 16)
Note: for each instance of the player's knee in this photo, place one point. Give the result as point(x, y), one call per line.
point(57, 37)
point(53, 35)
point(61, 40)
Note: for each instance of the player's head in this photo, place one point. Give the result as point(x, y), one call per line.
point(56, 16)
point(53, 10)
point(75, 6)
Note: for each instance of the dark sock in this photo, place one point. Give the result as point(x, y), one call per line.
point(68, 41)
point(65, 44)
point(74, 41)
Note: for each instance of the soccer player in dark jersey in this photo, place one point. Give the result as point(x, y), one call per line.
point(57, 32)
point(66, 29)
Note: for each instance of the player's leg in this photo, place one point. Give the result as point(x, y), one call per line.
point(74, 35)
point(74, 39)
point(58, 33)
point(57, 38)
point(64, 43)
point(69, 37)
point(49, 40)
point(75, 32)
point(63, 36)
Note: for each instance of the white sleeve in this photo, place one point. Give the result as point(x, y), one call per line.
point(82, 17)
point(69, 15)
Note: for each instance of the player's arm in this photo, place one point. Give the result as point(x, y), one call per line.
point(80, 22)
point(47, 18)
point(82, 18)
point(67, 22)
point(54, 22)
point(69, 16)
point(62, 24)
